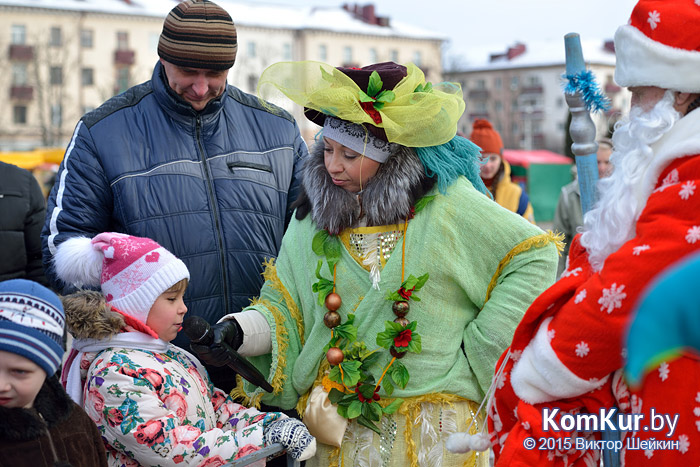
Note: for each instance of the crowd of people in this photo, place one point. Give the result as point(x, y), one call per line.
point(389, 284)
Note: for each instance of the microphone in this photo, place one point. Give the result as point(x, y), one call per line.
point(198, 330)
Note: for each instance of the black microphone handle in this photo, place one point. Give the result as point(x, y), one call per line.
point(198, 330)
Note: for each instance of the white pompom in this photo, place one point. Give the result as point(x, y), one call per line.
point(78, 263)
point(464, 442)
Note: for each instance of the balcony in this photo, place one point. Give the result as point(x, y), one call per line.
point(23, 93)
point(124, 57)
point(532, 89)
point(478, 94)
point(21, 52)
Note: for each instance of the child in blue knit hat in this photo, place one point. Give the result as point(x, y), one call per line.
point(41, 425)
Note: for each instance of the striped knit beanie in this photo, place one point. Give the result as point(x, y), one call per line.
point(198, 34)
point(31, 323)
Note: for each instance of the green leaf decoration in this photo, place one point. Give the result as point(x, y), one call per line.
point(399, 374)
point(367, 423)
point(335, 396)
point(318, 241)
point(388, 387)
point(346, 331)
point(386, 97)
point(332, 250)
point(394, 296)
point(427, 87)
point(421, 281)
point(423, 202)
point(393, 407)
point(410, 282)
point(365, 98)
point(355, 409)
point(369, 360)
point(367, 390)
point(375, 410)
point(378, 105)
point(343, 411)
point(412, 326)
point(385, 339)
point(415, 344)
point(351, 373)
point(374, 86)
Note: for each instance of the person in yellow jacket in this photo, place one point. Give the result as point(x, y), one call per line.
point(496, 171)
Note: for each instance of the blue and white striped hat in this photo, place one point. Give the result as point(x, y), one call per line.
point(32, 321)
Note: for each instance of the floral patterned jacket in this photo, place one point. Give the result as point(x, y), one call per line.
point(161, 409)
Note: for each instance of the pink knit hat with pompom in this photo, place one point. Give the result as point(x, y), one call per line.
point(132, 271)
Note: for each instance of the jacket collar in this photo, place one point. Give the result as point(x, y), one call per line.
point(23, 424)
point(178, 107)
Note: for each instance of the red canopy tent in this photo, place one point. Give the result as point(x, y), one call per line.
point(524, 158)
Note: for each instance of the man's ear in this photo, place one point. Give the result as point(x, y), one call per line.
point(683, 100)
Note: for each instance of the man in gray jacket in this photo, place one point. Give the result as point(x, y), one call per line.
point(207, 171)
point(568, 216)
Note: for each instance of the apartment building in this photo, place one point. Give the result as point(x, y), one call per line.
point(65, 57)
point(520, 92)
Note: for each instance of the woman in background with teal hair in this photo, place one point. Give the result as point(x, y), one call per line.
point(399, 282)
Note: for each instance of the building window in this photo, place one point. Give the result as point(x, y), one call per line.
point(252, 82)
point(18, 34)
point(252, 49)
point(56, 75)
point(86, 77)
point(86, 38)
point(19, 74)
point(498, 106)
point(534, 81)
point(122, 79)
point(19, 115)
point(514, 83)
point(514, 104)
point(373, 55)
point(480, 84)
point(122, 40)
point(394, 56)
point(514, 128)
point(322, 52)
point(417, 59)
point(55, 37)
point(497, 83)
point(287, 51)
point(56, 115)
point(347, 55)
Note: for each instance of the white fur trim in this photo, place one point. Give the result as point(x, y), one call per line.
point(539, 376)
point(464, 442)
point(78, 263)
point(256, 332)
point(683, 139)
point(641, 61)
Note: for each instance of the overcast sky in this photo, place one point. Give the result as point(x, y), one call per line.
point(477, 27)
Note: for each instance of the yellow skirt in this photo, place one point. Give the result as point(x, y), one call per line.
point(429, 419)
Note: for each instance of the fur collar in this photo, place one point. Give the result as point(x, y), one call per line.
point(52, 403)
point(387, 199)
point(89, 317)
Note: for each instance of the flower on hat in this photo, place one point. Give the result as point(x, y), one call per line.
point(374, 99)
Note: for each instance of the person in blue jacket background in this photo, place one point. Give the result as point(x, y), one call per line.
point(206, 170)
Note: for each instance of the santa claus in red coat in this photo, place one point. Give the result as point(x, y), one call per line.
point(565, 359)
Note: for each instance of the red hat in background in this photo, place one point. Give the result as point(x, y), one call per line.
point(484, 136)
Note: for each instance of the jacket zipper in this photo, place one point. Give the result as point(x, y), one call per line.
point(215, 211)
point(48, 435)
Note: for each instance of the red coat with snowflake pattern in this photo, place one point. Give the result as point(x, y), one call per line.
point(568, 349)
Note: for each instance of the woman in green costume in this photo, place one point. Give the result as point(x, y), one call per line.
point(399, 282)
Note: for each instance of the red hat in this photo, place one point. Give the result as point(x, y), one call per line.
point(484, 136)
point(660, 46)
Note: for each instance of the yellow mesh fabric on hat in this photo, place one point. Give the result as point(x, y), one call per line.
point(413, 119)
